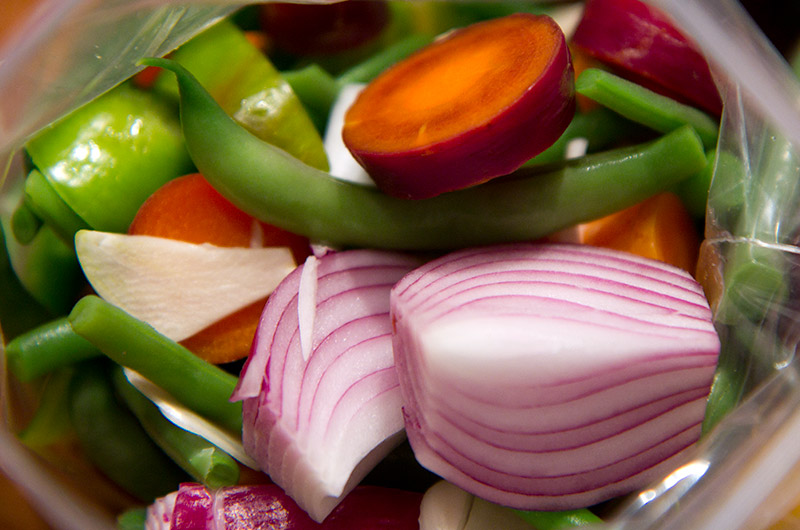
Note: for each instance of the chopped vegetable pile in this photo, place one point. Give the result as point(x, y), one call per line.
point(479, 310)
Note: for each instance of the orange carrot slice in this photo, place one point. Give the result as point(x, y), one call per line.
point(659, 228)
point(471, 106)
point(190, 209)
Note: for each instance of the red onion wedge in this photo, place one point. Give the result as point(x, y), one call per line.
point(551, 376)
point(644, 44)
point(321, 398)
point(194, 506)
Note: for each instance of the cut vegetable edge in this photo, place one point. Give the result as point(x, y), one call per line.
point(156, 279)
point(453, 430)
point(413, 148)
point(315, 427)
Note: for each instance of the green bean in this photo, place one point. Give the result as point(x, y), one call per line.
point(46, 348)
point(559, 520)
point(47, 204)
point(202, 460)
point(639, 104)
point(25, 224)
point(279, 189)
point(197, 384)
point(113, 439)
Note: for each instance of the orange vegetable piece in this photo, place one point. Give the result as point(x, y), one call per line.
point(471, 106)
point(659, 228)
point(190, 209)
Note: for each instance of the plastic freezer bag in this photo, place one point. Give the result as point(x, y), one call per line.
point(744, 472)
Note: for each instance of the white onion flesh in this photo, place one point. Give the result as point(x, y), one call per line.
point(317, 425)
point(551, 376)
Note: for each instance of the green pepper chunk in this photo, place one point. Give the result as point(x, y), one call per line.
point(249, 88)
point(108, 156)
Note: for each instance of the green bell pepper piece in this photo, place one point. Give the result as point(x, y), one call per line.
point(108, 156)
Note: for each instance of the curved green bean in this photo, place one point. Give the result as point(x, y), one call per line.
point(202, 460)
point(279, 189)
point(197, 384)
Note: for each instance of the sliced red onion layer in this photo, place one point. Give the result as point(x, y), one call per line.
point(554, 376)
point(267, 506)
point(317, 423)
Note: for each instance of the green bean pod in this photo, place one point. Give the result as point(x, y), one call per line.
point(250, 89)
point(197, 384)
point(47, 348)
point(279, 189)
point(202, 460)
point(642, 105)
point(113, 439)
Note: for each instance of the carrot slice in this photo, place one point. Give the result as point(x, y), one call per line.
point(190, 209)
point(659, 228)
point(471, 106)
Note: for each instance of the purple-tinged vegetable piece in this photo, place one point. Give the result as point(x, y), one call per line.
point(470, 107)
point(194, 507)
point(321, 397)
point(643, 43)
point(551, 377)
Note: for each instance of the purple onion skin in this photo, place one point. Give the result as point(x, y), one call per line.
point(643, 44)
point(267, 506)
point(193, 508)
point(495, 148)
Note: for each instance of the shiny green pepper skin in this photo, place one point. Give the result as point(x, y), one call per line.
point(107, 157)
